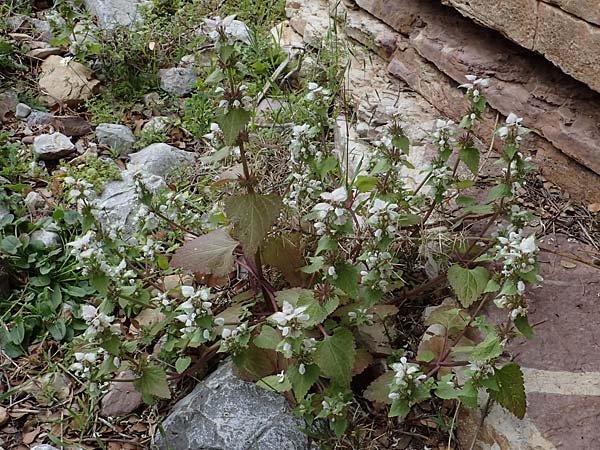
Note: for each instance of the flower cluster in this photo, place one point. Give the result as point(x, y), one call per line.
point(406, 377)
point(291, 320)
point(383, 216)
point(332, 213)
point(379, 272)
point(98, 321)
point(475, 86)
point(235, 340)
point(196, 314)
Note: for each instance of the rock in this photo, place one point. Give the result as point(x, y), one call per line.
point(372, 33)
point(159, 159)
point(122, 398)
point(178, 81)
point(84, 36)
point(586, 9)
point(286, 37)
point(65, 81)
point(158, 124)
point(43, 447)
point(149, 317)
point(47, 238)
point(39, 118)
point(8, 103)
point(43, 53)
point(34, 201)
point(118, 137)
point(118, 203)
point(568, 41)
point(267, 108)
point(112, 13)
point(22, 111)
point(4, 416)
point(235, 31)
point(48, 387)
point(52, 146)
point(226, 413)
point(174, 281)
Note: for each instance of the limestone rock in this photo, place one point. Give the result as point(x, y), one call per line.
point(8, 103)
point(226, 413)
point(178, 81)
point(235, 31)
point(158, 124)
point(586, 9)
point(39, 118)
point(159, 159)
point(47, 238)
point(286, 37)
point(112, 13)
point(118, 203)
point(65, 81)
point(118, 137)
point(44, 52)
point(122, 398)
point(52, 146)
point(22, 111)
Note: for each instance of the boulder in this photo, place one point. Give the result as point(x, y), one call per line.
point(52, 146)
point(159, 159)
point(112, 13)
point(64, 81)
point(118, 137)
point(226, 413)
point(178, 81)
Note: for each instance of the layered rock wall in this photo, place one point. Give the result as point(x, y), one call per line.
point(566, 32)
point(435, 47)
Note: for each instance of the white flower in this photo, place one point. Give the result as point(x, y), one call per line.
point(301, 369)
point(393, 396)
point(528, 245)
point(513, 119)
point(290, 320)
point(226, 333)
point(88, 312)
point(281, 376)
point(338, 195)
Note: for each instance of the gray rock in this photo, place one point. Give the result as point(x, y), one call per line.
point(226, 413)
point(118, 204)
point(43, 447)
point(52, 146)
point(39, 118)
point(84, 35)
point(178, 81)
point(22, 111)
point(112, 13)
point(48, 238)
point(122, 397)
point(157, 124)
point(118, 137)
point(159, 159)
point(34, 201)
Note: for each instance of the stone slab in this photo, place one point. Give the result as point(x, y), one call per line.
point(561, 364)
point(588, 10)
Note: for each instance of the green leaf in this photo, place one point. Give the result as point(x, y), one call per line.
point(492, 286)
point(470, 156)
point(379, 389)
point(499, 191)
point(338, 426)
point(233, 123)
point(301, 383)
point(347, 279)
point(253, 216)
point(468, 284)
point(182, 364)
point(335, 356)
point(446, 389)
point(100, 281)
point(316, 264)
point(17, 333)
point(268, 338)
point(400, 408)
point(211, 253)
point(274, 383)
point(365, 183)
point(511, 394)
point(10, 245)
point(402, 142)
point(468, 395)
point(153, 382)
point(488, 349)
point(325, 243)
point(58, 329)
point(215, 77)
point(523, 326)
